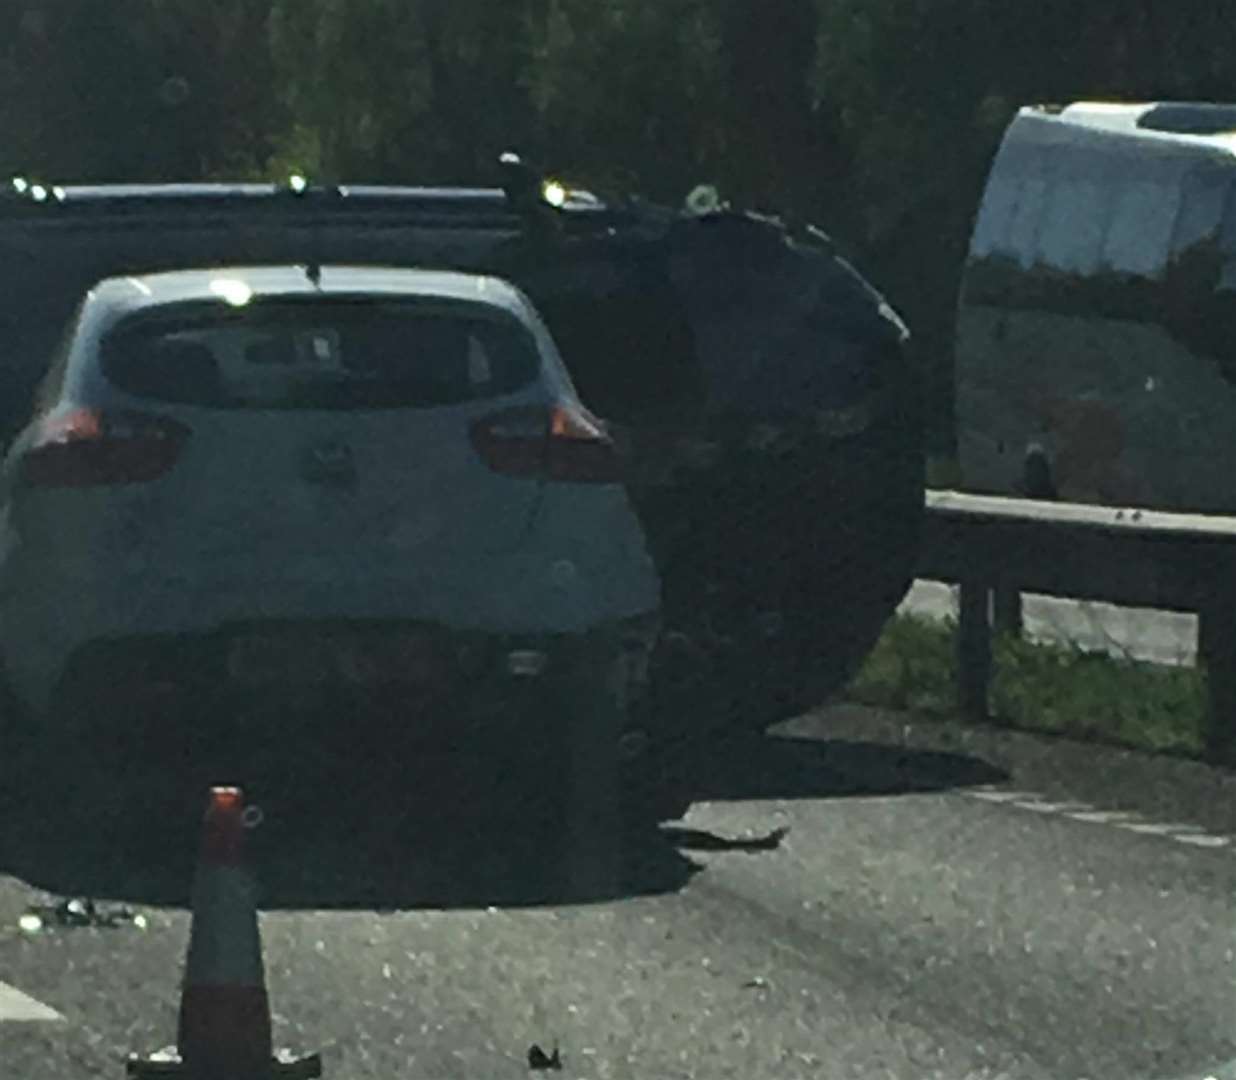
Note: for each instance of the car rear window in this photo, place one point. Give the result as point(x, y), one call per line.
point(337, 354)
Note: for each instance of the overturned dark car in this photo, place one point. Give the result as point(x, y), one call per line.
point(759, 390)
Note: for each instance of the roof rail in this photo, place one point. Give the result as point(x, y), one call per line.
point(299, 185)
point(21, 189)
point(524, 199)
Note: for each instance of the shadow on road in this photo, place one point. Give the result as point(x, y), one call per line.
point(457, 831)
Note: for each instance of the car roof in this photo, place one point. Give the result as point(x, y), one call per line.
point(451, 207)
point(75, 193)
point(125, 295)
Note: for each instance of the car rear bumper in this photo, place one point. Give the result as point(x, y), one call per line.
point(79, 596)
point(417, 672)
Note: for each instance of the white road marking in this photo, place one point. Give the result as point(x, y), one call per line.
point(1204, 840)
point(1103, 817)
point(14, 1005)
point(1049, 807)
point(1119, 819)
point(1152, 828)
point(999, 796)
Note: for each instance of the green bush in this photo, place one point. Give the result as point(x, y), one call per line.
point(1041, 687)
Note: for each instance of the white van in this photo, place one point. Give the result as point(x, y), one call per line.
point(1096, 329)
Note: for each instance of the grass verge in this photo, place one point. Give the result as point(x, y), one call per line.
point(1040, 687)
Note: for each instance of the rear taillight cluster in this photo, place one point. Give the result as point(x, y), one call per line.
point(557, 442)
point(91, 448)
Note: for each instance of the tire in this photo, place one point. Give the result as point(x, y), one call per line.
point(609, 797)
point(676, 712)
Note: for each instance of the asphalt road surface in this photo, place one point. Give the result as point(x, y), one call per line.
point(852, 897)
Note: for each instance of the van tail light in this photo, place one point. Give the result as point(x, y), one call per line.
point(91, 448)
point(560, 442)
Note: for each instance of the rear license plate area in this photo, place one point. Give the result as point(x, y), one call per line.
point(356, 659)
point(272, 657)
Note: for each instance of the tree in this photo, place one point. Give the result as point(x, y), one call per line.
point(134, 89)
point(423, 90)
point(876, 118)
point(769, 56)
point(631, 92)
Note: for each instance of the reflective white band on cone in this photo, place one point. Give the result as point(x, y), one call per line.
point(225, 946)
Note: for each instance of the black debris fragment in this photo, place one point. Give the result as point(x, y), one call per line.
point(699, 840)
point(76, 912)
point(539, 1061)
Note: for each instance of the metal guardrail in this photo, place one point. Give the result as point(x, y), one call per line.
point(997, 548)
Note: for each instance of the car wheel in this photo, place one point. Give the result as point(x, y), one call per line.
point(703, 689)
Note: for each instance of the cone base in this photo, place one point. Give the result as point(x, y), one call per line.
point(225, 1030)
point(283, 1065)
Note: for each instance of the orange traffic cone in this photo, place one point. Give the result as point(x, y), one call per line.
point(224, 1028)
point(224, 1013)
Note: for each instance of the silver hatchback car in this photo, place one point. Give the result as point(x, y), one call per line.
point(294, 478)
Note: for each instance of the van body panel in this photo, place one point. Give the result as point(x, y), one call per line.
point(1097, 312)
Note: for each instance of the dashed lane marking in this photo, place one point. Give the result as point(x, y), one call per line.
point(1049, 807)
point(14, 1005)
point(1155, 828)
point(1204, 840)
point(988, 795)
point(1103, 817)
point(1118, 819)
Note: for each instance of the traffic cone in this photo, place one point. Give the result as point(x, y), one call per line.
point(224, 1025)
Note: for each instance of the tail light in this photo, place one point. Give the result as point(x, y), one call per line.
point(559, 442)
point(90, 448)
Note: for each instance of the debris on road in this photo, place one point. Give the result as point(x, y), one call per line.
point(75, 913)
point(539, 1061)
point(699, 840)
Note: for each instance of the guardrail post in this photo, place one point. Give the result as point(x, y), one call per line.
point(973, 649)
point(1217, 651)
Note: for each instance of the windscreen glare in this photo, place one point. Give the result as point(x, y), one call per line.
point(319, 355)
